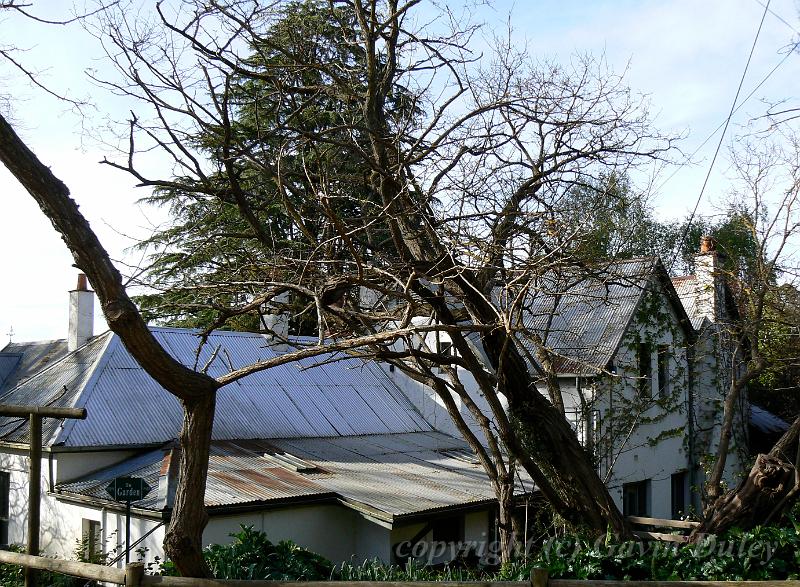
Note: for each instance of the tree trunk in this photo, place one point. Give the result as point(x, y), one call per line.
point(553, 446)
point(754, 501)
point(196, 390)
point(505, 522)
point(769, 490)
point(183, 542)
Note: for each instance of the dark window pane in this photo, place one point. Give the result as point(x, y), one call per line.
point(448, 530)
point(5, 497)
point(678, 495)
point(635, 500)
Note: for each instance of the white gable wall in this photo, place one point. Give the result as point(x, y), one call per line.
point(643, 440)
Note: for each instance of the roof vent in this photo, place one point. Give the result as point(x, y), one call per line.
point(290, 462)
point(460, 454)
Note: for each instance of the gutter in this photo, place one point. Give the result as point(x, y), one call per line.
point(107, 504)
point(24, 446)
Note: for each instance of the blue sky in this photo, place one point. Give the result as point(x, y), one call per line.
point(687, 56)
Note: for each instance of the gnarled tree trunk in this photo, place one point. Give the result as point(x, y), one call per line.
point(183, 541)
point(196, 390)
point(769, 490)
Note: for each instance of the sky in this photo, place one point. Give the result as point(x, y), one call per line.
point(686, 56)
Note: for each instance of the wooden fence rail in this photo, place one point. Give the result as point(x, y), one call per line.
point(133, 576)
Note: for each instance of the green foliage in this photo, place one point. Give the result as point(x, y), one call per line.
point(375, 570)
point(764, 553)
point(227, 222)
point(252, 556)
point(14, 575)
point(617, 223)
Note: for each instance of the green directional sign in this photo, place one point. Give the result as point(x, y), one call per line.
point(128, 489)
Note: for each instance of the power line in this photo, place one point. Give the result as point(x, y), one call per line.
point(688, 158)
point(779, 17)
point(722, 136)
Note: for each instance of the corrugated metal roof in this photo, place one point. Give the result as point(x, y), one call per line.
point(8, 364)
point(582, 319)
point(686, 287)
point(58, 384)
point(33, 357)
point(126, 407)
point(394, 475)
point(767, 422)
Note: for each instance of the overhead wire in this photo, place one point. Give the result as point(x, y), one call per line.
point(721, 124)
point(721, 138)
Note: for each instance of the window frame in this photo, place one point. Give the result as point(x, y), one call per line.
point(678, 501)
point(640, 490)
point(662, 362)
point(644, 359)
point(5, 506)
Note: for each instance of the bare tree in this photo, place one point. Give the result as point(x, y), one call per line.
point(391, 180)
point(767, 199)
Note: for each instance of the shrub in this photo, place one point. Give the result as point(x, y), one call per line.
point(252, 556)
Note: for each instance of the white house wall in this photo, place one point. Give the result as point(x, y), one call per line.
point(652, 451)
point(336, 532)
point(61, 521)
point(649, 437)
point(713, 380)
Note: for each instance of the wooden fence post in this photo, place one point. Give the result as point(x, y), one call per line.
point(133, 574)
point(539, 577)
point(34, 494)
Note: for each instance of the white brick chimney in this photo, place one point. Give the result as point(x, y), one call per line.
point(275, 322)
point(710, 292)
point(81, 314)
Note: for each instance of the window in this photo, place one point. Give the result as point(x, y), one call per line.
point(663, 371)
point(636, 498)
point(90, 530)
point(645, 383)
point(448, 530)
point(678, 495)
point(5, 499)
point(444, 347)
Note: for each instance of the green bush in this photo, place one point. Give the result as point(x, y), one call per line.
point(766, 553)
point(252, 556)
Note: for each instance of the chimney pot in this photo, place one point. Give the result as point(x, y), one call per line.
point(83, 283)
point(707, 245)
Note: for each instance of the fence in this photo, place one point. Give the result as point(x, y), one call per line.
point(133, 576)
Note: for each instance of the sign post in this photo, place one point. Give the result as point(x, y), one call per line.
point(128, 489)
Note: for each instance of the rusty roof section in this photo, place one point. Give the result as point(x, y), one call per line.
point(389, 476)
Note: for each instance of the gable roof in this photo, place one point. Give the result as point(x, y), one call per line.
point(126, 407)
point(686, 287)
point(582, 318)
point(388, 476)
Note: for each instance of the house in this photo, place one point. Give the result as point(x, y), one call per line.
point(335, 458)
point(350, 459)
point(643, 364)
